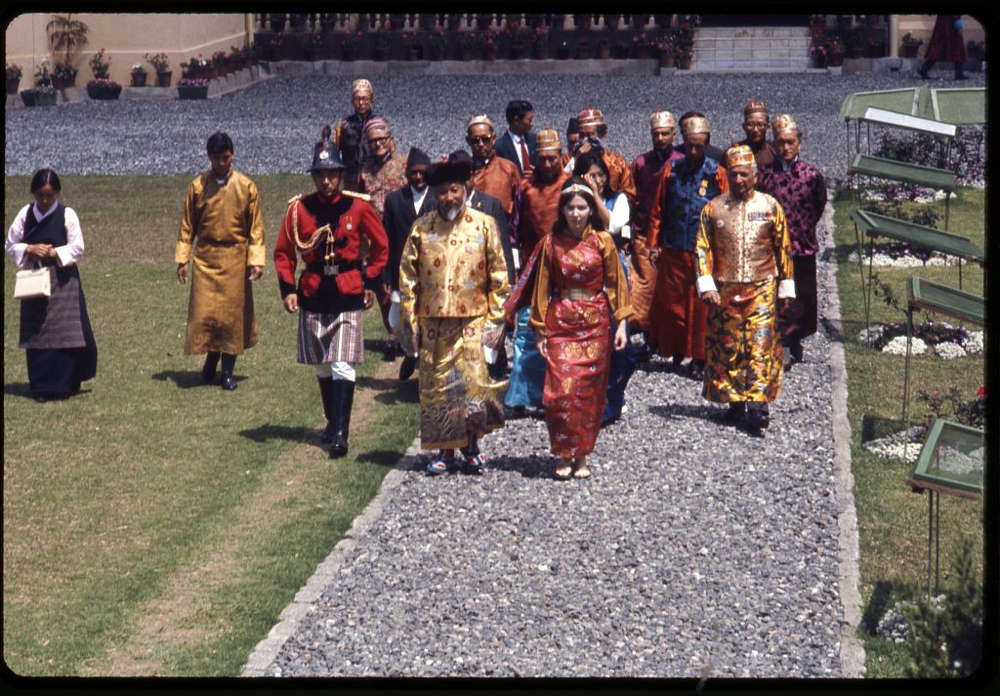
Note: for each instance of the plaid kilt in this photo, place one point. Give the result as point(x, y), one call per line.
point(328, 337)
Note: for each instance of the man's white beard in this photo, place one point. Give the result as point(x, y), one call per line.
point(451, 214)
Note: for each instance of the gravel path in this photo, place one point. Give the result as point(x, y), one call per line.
point(274, 123)
point(695, 550)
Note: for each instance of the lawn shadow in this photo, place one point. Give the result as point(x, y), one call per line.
point(23, 389)
point(531, 466)
point(386, 458)
point(263, 433)
point(185, 379)
point(18, 389)
point(391, 391)
point(375, 344)
point(876, 606)
point(876, 427)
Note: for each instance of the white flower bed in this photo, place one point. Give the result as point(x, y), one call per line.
point(897, 346)
point(893, 447)
point(972, 345)
point(949, 351)
point(878, 259)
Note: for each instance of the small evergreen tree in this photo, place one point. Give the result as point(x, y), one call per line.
point(948, 641)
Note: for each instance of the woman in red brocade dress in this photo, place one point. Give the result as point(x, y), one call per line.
point(578, 274)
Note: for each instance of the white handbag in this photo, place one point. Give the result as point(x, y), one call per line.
point(31, 284)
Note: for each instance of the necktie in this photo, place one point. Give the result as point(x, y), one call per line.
point(525, 158)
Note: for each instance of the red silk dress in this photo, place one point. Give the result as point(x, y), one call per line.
point(576, 281)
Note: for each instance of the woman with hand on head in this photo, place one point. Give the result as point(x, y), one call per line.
point(578, 275)
point(55, 331)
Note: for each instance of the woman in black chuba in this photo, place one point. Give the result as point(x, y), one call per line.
point(55, 331)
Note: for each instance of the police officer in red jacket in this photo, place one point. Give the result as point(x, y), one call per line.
point(325, 228)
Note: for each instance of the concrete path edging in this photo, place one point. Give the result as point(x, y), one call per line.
point(291, 616)
point(852, 653)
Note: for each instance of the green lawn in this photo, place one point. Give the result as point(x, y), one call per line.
point(153, 525)
point(892, 520)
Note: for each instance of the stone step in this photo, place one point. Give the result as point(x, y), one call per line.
point(752, 48)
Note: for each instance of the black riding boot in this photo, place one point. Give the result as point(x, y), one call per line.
point(326, 392)
point(211, 367)
point(228, 364)
point(343, 401)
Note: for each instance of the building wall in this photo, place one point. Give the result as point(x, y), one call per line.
point(921, 27)
point(126, 38)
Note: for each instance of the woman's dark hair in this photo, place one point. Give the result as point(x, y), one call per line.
point(219, 142)
point(45, 177)
point(583, 190)
point(588, 159)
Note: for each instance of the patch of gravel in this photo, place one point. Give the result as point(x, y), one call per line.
point(695, 550)
point(274, 123)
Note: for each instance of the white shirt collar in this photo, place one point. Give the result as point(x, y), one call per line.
point(40, 216)
point(787, 166)
point(418, 196)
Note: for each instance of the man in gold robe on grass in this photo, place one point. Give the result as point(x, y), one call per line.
point(222, 225)
point(743, 261)
point(453, 284)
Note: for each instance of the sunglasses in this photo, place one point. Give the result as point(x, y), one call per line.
point(378, 141)
point(479, 139)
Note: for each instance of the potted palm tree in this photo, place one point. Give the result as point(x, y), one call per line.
point(67, 36)
point(138, 75)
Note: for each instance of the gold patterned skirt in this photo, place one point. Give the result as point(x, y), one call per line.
point(742, 346)
point(457, 396)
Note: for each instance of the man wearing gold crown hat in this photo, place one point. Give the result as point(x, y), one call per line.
point(677, 320)
point(619, 173)
point(744, 266)
point(326, 229)
point(452, 286)
point(536, 209)
point(349, 135)
point(801, 190)
point(646, 172)
point(491, 173)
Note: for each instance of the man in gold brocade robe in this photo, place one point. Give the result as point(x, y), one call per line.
point(452, 285)
point(743, 264)
point(222, 225)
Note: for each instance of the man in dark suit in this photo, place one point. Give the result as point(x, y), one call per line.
point(402, 208)
point(518, 142)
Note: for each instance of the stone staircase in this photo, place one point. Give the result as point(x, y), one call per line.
point(757, 49)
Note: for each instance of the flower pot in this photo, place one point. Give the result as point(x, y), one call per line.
point(562, 52)
point(138, 79)
point(684, 63)
point(28, 97)
point(465, 53)
point(436, 52)
point(667, 59)
point(540, 52)
point(381, 54)
point(819, 61)
point(61, 83)
point(12, 85)
point(909, 50)
point(604, 52)
point(414, 53)
point(583, 52)
point(490, 53)
point(642, 52)
point(349, 53)
point(516, 52)
point(163, 78)
point(103, 92)
point(45, 98)
point(192, 92)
